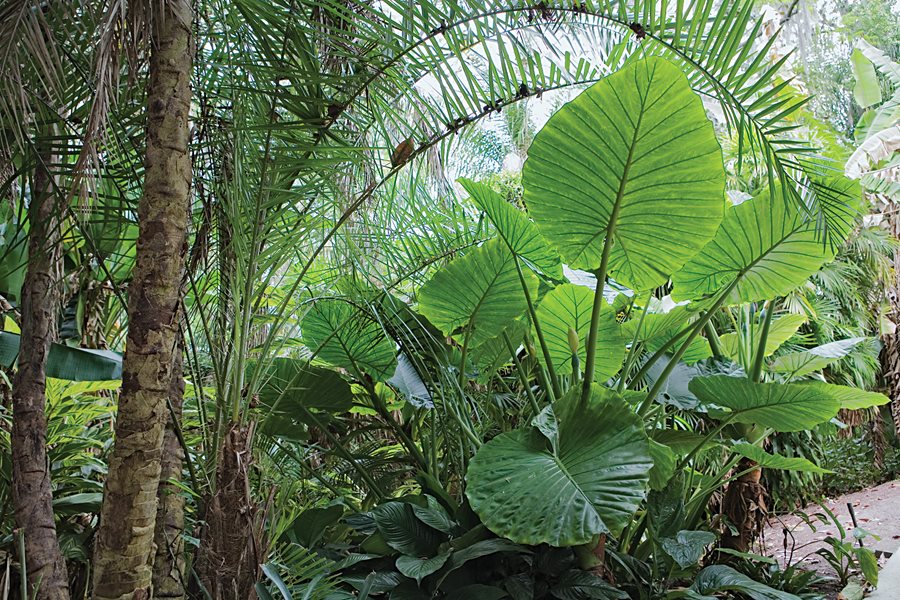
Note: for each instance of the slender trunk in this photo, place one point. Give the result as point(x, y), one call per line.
point(32, 494)
point(124, 552)
point(891, 353)
point(168, 567)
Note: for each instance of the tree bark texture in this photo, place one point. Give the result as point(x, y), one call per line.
point(745, 506)
point(124, 550)
point(231, 542)
point(168, 566)
point(891, 352)
point(40, 303)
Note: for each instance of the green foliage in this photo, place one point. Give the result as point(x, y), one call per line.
point(591, 471)
point(630, 169)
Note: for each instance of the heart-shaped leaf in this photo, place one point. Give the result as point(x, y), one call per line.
point(520, 234)
point(633, 159)
point(346, 337)
point(593, 484)
point(476, 296)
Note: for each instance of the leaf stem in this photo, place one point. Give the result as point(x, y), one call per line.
point(521, 372)
point(756, 369)
point(551, 371)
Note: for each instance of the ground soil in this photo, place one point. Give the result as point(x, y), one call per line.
point(790, 539)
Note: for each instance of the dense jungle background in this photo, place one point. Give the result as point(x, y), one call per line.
point(349, 299)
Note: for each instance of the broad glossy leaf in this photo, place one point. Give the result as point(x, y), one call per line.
point(419, 568)
point(687, 547)
point(312, 523)
point(781, 406)
point(664, 462)
point(516, 229)
point(405, 533)
point(525, 492)
point(634, 156)
point(348, 338)
point(407, 381)
point(568, 306)
point(776, 461)
point(66, 362)
point(765, 243)
point(289, 382)
point(493, 354)
point(476, 295)
point(721, 578)
point(576, 584)
point(656, 329)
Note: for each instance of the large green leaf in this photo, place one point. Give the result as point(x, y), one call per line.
point(493, 354)
point(783, 407)
point(289, 382)
point(514, 227)
point(347, 337)
point(476, 295)
point(405, 533)
point(525, 492)
point(66, 362)
point(767, 245)
point(776, 461)
point(655, 329)
point(576, 584)
point(569, 306)
point(633, 158)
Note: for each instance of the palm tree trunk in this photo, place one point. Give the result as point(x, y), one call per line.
point(32, 494)
point(745, 506)
point(124, 553)
point(168, 567)
point(891, 352)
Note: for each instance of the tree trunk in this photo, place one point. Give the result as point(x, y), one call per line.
point(168, 566)
point(745, 507)
point(32, 494)
point(124, 552)
point(231, 546)
point(891, 352)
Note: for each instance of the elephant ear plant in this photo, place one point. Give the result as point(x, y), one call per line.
point(627, 182)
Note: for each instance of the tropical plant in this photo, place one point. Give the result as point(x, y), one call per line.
point(395, 389)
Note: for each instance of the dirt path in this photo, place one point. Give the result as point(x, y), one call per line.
point(877, 511)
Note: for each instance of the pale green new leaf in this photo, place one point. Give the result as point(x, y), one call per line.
point(782, 407)
point(476, 296)
point(867, 91)
point(849, 398)
point(767, 245)
point(799, 364)
point(634, 159)
point(514, 227)
point(776, 461)
point(593, 484)
point(346, 337)
point(568, 306)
